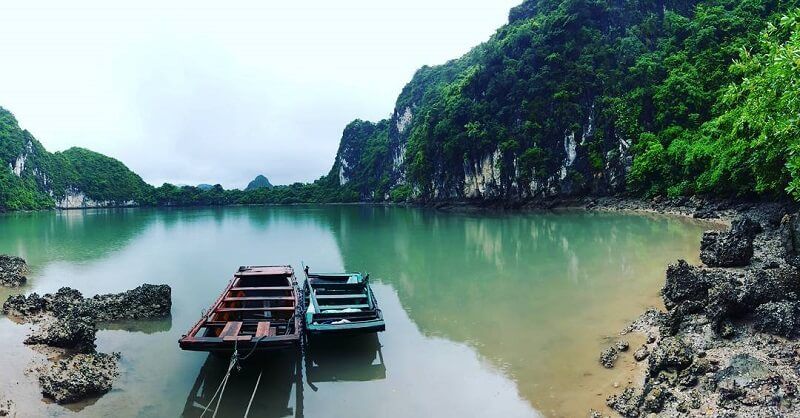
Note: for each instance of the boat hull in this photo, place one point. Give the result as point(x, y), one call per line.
point(244, 347)
point(340, 304)
point(259, 310)
point(351, 328)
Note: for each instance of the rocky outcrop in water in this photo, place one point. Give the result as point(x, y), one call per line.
point(144, 302)
point(727, 344)
point(79, 377)
point(12, 271)
point(67, 320)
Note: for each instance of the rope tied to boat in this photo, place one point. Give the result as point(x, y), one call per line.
point(221, 388)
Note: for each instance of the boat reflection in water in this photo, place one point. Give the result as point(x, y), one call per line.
point(282, 377)
point(353, 358)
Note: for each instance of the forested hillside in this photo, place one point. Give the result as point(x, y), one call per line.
point(32, 178)
point(596, 97)
point(571, 97)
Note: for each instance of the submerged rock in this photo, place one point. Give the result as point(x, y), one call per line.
point(79, 377)
point(622, 345)
point(608, 357)
point(730, 249)
point(12, 271)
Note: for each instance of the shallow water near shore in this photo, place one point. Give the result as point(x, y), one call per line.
point(487, 315)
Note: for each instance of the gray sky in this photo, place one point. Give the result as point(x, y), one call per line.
point(195, 92)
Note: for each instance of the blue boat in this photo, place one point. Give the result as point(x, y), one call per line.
point(340, 303)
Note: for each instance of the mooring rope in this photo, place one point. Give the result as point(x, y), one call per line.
point(255, 389)
point(235, 362)
point(221, 388)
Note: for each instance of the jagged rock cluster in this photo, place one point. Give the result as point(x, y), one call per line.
point(730, 249)
point(12, 271)
point(727, 345)
point(79, 377)
point(71, 320)
point(67, 320)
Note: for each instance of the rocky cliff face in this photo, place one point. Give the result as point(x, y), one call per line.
point(447, 139)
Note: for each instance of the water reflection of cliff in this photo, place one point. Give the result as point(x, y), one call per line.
point(516, 287)
point(70, 235)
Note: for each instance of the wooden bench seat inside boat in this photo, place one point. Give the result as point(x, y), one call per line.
point(274, 308)
point(343, 296)
point(264, 330)
point(263, 288)
point(231, 332)
point(257, 298)
point(340, 307)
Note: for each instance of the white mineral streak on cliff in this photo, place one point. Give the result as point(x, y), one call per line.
point(570, 148)
point(481, 178)
point(76, 199)
point(404, 120)
point(588, 133)
point(19, 164)
point(342, 177)
point(618, 163)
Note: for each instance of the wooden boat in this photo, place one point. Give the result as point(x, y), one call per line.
point(340, 303)
point(258, 310)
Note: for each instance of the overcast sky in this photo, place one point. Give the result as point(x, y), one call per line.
point(195, 92)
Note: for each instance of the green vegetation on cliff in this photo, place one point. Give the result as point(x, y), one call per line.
point(698, 94)
point(665, 97)
point(32, 178)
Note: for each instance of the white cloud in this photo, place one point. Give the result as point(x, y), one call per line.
point(195, 91)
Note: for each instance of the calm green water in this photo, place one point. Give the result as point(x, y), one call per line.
point(487, 315)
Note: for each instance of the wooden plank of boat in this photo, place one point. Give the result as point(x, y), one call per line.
point(263, 288)
point(340, 307)
point(264, 271)
point(270, 308)
point(257, 298)
point(231, 332)
point(346, 296)
point(264, 330)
